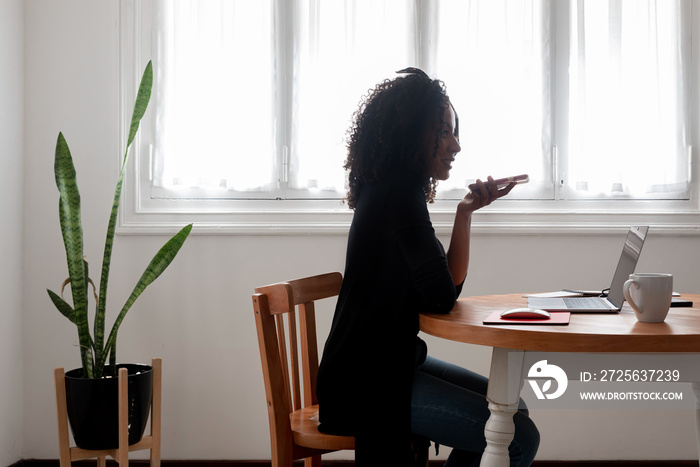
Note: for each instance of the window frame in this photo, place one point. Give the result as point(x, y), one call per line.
point(140, 214)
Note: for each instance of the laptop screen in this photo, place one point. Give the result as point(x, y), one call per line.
point(627, 263)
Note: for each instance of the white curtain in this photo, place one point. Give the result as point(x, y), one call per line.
point(258, 95)
point(344, 49)
point(493, 56)
point(627, 119)
point(223, 95)
point(214, 95)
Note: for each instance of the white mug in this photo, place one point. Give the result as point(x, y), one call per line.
point(649, 295)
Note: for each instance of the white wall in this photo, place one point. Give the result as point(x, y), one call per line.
point(198, 315)
point(11, 283)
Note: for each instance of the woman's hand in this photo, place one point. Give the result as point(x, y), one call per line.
point(458, 253)
point(485, 194)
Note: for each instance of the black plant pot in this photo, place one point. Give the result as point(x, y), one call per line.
point(92, 405)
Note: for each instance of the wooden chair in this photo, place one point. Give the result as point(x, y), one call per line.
point(293, 413)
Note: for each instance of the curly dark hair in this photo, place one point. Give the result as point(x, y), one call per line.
point(391, 129)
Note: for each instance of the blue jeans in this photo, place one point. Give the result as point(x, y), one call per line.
point(449, 407)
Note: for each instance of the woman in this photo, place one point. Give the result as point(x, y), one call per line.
point(375, 381)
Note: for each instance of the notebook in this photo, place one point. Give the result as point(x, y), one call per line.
point(613, 301)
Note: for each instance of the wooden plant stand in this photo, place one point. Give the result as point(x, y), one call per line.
point(69, 454)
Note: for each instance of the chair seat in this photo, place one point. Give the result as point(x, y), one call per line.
point(305, 432)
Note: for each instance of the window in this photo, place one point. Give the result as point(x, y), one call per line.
point(627, 96)
point(214, 98)
point(252, 100)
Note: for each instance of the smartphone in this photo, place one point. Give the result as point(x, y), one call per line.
point(679, 302)
point(503, 182)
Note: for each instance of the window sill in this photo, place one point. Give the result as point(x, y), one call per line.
point(331, 217)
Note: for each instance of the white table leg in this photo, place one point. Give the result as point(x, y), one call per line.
point(696, 390)
point(505, 382)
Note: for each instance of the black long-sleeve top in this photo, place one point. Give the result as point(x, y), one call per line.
point(395, 268)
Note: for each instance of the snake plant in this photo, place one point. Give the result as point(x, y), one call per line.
point(94, 349)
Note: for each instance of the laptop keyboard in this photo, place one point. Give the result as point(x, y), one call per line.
point(584, 303)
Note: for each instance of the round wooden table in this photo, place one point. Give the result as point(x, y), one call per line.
point(586, 332)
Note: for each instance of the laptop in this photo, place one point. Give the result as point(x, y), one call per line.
point(611, 303)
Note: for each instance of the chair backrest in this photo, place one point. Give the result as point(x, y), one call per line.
point(280, 351)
